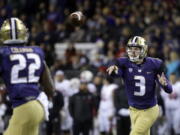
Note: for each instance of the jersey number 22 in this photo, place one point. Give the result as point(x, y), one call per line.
point(22, 65)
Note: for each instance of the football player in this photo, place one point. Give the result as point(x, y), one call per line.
point(26, 75)
point(140, 74)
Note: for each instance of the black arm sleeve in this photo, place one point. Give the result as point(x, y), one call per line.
point(162, 68)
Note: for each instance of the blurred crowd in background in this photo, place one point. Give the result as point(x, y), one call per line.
point(109, 24)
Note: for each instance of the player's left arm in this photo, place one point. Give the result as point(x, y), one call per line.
point(162, 79)
point(46, 81)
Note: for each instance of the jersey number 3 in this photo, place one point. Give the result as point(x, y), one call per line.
point(141, 85)
point(22, 65)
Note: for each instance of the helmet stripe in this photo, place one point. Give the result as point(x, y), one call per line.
point(10, 28)
point(16, 34)
point(13, 28)
point(134, 40)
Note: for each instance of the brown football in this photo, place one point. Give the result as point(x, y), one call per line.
point(77, 18)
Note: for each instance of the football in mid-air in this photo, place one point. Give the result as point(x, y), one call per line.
point(77, 18)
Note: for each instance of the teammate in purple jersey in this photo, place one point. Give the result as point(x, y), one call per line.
point(26, 76)
point(140, 74)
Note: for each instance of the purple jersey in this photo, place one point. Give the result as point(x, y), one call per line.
point(21, 68)
point(140, 81)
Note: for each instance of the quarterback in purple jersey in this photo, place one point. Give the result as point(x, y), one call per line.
point(140, 74)
point(26, 76)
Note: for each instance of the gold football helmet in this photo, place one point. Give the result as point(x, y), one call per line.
point(13, 31)
point(140, 53)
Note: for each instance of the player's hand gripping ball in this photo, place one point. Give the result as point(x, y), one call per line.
point(77, 18)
